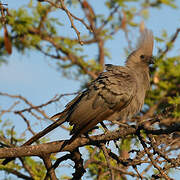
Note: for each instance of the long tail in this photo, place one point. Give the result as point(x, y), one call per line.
point(61, 119)
point(51, 127)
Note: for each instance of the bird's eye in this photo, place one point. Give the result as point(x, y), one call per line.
point(142, 56)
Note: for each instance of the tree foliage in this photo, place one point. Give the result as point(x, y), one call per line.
point(147, 150)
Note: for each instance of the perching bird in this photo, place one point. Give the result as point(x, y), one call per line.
point(118, 90)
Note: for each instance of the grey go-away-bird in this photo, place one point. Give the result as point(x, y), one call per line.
point(117, 90)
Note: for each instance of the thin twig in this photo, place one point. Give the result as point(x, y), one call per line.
point(106, 155)
point(174, 37)
point(50, 171)
point(151, 156)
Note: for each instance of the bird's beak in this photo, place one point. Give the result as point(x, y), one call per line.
point(151, 60)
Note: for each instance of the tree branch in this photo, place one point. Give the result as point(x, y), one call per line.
point(53, 147)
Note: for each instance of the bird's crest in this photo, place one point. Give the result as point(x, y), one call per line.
point(144, 47)
point(145, 42)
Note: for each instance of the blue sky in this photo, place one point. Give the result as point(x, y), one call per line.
point(34, 76)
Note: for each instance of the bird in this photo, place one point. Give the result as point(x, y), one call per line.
point(119, 89)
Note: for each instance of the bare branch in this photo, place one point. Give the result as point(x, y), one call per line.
point(108, 160)
point(48, 165)
point(82, 141)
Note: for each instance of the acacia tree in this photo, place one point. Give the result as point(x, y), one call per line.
point(146, 150)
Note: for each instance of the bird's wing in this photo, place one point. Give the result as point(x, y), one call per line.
point(110, 92)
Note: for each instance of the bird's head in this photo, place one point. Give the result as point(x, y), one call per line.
point(142, 56)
